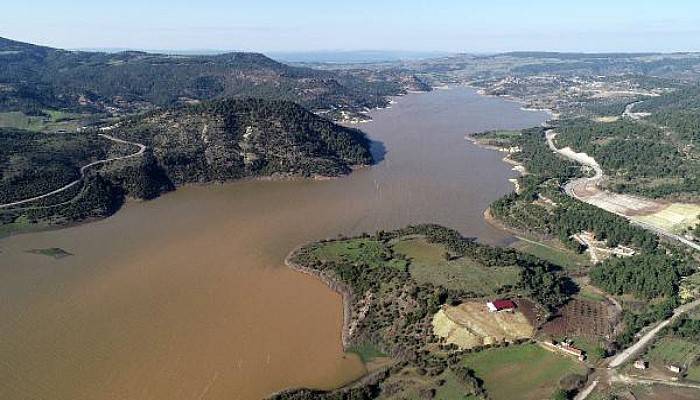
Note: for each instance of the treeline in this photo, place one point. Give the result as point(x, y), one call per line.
point(645, 276)
point(680, 99)
point(633, 322)
point(686, 328)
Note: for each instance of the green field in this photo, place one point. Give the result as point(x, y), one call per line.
point(413, 386)
point(20, 226)
point(55, 120)
point(592, 347)
point(428, 264)
point(553, 253)
point(502, 138)
point(694, 372)
point(366, 351)
point(359, 251)
point(521, 372)
point(675, 218)
point(670, 350)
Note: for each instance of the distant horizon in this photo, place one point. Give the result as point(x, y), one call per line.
point(595, 26)
point(414, 54)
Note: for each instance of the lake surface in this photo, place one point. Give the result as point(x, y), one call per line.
point(187, 296)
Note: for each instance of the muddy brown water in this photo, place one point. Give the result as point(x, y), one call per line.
point(187, 296)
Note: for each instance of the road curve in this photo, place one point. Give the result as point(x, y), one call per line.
point(141, 150)
point(595, 180)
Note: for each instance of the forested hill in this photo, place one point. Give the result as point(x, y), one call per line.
point(226, 139)
point(213, 141)
point(34, 78)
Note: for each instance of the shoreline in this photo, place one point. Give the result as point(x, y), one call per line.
point(507, 97)
point(37, 228)
point(334, 285)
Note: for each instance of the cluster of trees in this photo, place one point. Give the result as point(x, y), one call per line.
point(646, 276)
point(472, 384)
point(685, 122)
point(686, 328)
point(246, 138)
point(634, 321)
point(97, 197)
point(639, 157)
point(688, 97)
point(35, 163)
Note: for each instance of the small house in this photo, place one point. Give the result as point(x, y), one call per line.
point(640, 364)
point(500, 305)
point(674, 368)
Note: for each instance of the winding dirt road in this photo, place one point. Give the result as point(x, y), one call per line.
point(588, 185)
point(647, 338)
point(141, 150)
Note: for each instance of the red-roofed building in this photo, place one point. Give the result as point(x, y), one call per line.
point(500, 305)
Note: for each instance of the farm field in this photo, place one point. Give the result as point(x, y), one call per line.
point(410, 384)
point(470, 324)
point(54, 121)
point(428, 264)
point(526, 372)
point(552, 252)
point(361, 251)
point(670, 350)
point(693, 373)
point(580, 317)
point(675, 218)
point(662, 392)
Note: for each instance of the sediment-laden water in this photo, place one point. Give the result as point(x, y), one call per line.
point(187, 296)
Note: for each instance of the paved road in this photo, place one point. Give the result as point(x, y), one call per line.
point(586, 391)
point(641, 344)
point(636, 348)
point(84, 168)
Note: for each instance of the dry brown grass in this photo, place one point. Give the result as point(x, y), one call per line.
point(470, 324)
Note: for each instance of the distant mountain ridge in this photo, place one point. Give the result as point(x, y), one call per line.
point(34, 77)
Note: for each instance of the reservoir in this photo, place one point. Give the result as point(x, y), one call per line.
point(187, 296)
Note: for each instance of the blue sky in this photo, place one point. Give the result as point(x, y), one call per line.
point(470, 26)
